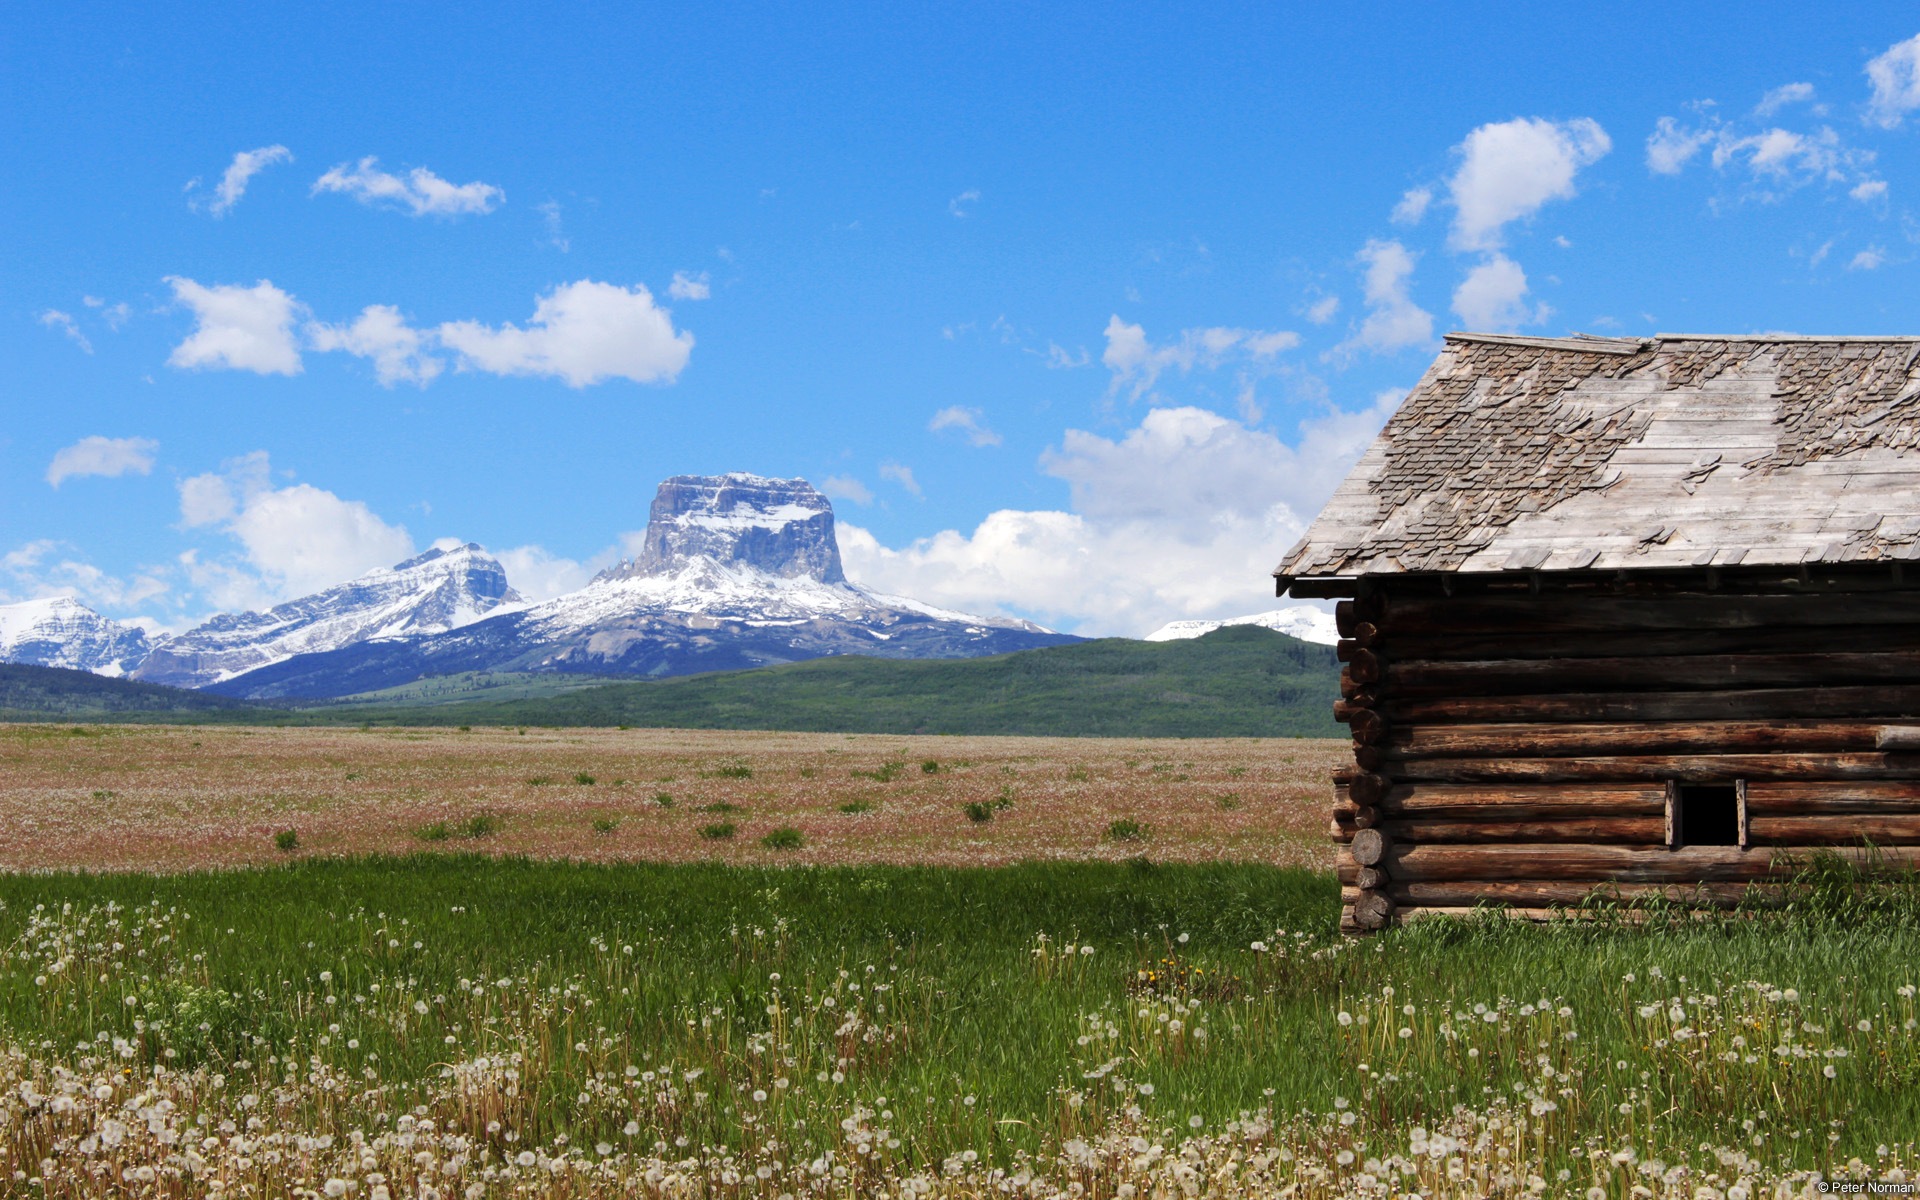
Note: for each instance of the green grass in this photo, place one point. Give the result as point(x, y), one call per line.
point(1056, 996)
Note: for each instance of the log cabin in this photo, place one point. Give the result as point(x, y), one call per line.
point(1624, 618)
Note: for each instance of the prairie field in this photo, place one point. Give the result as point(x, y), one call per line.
point(169, 798)
point(911, 1002)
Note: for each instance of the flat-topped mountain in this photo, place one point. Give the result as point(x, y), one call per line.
point(736, 571)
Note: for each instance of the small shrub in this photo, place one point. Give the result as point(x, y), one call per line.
point(466, 729)
point(855, 807)
point(103, 795)
point(1230, 801)
point(884, 773)
point(978, 812)
point(1079, 775)
point(351, 775)
point(784, 838)
point(605, 824)
point(663, 800)
point(483, 825)
point(626, 727)
point(583, 779)
point(1236, 772)
point(439, 831)
point(722, 806)
point(287, 840)
point(718, 832)
point(540, 781)
point(1004, 800)
point(733, 773)
point(930, 767)
point(808, 772)
point(1126, 830)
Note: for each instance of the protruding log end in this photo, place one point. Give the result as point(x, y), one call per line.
point(1368, 788)
point(1370, 878)
point(1366, 666)
point(1369, 847)
point(1369, 728)
point(1370, 758)
point(1365, 817)
point(1373, 910)
point(1343, 618)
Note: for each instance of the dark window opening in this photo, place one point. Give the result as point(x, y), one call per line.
point(1707, 814)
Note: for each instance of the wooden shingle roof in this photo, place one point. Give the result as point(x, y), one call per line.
point(1545, 454)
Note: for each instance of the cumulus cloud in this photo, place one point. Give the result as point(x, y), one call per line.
point(53, 318)
point(381, 335)
point(44, 568)
point(1493, 297)
point(1782, 96)
point(903, 475)
point(1894, 76)
point(541, 575)
point(233, 182)
point(1137, 363)
point(291, 540)
point(1412, 206)
point(1869, 259)
point(1393, 320)
point(581, 332)
point(689, 287)
point(1671, 146)
point(419, 192)
point(238, 328)
point(1509, 169)
point(967, 422)
point(1868, 190)
point(962, 205)
point(109, 457)
point(1322, 310)
point(1183, 517)
point(846, 487)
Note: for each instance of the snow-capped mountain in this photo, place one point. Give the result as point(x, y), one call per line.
point(1302, 621)
point(736, 571)
point(432, 593)
point(61, 632)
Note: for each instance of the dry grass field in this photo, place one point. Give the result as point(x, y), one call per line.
point(165, 798)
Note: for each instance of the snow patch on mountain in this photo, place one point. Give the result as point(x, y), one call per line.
point(1302, 621)
point(59, 631)
point(441, 590)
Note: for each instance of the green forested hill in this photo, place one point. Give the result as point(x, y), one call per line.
point(1239, 681)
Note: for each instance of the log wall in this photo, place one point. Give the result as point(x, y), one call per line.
point(1522, 747)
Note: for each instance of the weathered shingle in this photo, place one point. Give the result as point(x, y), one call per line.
point(1577, 453)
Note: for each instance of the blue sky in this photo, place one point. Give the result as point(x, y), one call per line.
point(1076, 314)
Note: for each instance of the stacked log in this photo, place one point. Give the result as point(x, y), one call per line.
point(1524, 750)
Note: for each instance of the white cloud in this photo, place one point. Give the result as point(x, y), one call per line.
point(1493, 297)
point(1322, 310)
point(540, 575)
point(902, 475)
point(1059, 358)
point(556, 232)
point(1184, 517)
point(1137, 363)
point(689, 287)
point(53, 318)
point(233, 182)
point(114, 315)
point(420, 191)
point(1780, 97)
point(1894, 76)
point(962, 205)
point(1869, 259)
point(1393, 320)
point(239, 328)
point(382, 335)
point(1412, 206)
point(846, 487)
point(582, 332)
point(45, 568)
point(292, 540)
point(967, 422)
point(1868, 190)
point(1671, 146)
point(110, 457)
point(1509, 169)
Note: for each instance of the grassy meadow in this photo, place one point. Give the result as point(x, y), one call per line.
point(456, 1025)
